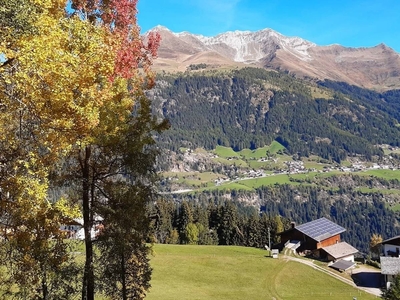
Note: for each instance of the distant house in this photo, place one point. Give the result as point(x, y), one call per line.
point(74, 228)
point(390, 259)
point(322, 238)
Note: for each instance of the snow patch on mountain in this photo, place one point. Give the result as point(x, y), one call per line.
point(186, 33)
point(253, 46)
point(160, 28)
point(298, 47)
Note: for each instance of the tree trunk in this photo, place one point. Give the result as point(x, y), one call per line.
point(88, 276)
point(123, 277)
point(45, 291)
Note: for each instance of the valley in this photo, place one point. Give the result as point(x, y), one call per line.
point(249, 169)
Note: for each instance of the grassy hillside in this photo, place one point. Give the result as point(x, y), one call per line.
point(225, 152)
point(228, 272)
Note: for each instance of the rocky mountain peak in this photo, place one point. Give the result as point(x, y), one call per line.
point(377, 67)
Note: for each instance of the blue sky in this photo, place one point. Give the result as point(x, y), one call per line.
point(351, 23)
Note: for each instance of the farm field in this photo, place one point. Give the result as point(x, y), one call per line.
point(231, 272)
point(228, 187)
point(386, 174)
point(226, 152)
point(237, 171)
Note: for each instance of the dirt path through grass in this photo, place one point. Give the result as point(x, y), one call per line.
point(372, 291)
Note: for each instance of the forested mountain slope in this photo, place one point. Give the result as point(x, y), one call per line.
point(249, 108)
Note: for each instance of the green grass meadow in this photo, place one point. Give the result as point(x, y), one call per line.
point(228, 187)
point(231, 272)
point(275, 147)
point(225, 152)
point(235, 161)
point(269, 180)
point(255, 154)
point(395, 207)
point(386, 174)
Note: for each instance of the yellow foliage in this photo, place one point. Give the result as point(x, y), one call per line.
point(60, 95)
point(66, 210)
point(64, 79)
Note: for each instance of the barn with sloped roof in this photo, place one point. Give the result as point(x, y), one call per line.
point(313, 235)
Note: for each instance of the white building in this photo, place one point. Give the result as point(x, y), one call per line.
point(390, 259)
point(74, 228)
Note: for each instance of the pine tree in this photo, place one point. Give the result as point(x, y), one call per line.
point(185, 218)
point(253, 231)
point(393, 293)
point(228, 231)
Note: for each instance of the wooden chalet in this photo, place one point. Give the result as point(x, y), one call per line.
point(313, 235)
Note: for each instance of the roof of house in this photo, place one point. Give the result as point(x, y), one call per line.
point(320, 229)
point(342, 265)
point(390, 265)
point(391, 240)
point(340, 250)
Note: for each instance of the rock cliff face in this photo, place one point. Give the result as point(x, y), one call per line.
point(375, 68)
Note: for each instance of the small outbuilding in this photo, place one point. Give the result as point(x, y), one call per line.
point(343, 265)
point(340, 251)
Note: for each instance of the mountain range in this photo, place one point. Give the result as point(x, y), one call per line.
point(375, 68)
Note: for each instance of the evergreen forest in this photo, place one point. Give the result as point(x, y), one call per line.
point(249, 108)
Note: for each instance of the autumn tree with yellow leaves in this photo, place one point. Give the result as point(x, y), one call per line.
point(375, 245)
point(72, 107)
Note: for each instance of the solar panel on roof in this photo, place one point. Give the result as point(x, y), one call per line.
point(320, 229)
point(342, 264)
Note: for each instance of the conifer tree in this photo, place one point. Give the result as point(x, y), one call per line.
point(185, 218)
point(393, 293)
